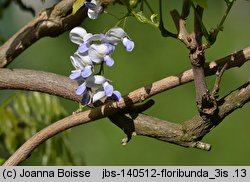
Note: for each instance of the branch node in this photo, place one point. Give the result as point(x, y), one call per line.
point(208, 105)
point(197, 56)
point(189, 39)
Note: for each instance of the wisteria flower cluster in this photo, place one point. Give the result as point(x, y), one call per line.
point(94, 49)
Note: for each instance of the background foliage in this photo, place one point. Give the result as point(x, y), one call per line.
point(153, 58)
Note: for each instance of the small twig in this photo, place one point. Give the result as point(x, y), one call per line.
point(198, 25)
point(226, 14)
point(214, 32)
point(180, 25)
point(122, 19)
point(164, 31)
point(101, 69)
point(198, 13)
point(149, 7)
point(142, 7)
point(111, 14)
point(185, 9)
point(218, 74)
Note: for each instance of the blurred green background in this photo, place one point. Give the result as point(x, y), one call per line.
point(154, 57)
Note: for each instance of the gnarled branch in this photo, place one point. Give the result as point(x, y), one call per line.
point(50, 22)
point(188, 134)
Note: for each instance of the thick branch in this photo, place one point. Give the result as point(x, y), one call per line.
point(187, 134)
point(190, 132)
point(64, 87)
point(38, 81)
point(50, 22)
point(143, 125)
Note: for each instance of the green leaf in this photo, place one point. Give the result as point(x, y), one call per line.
point(77, 5)
point(26, 113)
point(141, 18)
point(202, 3)
point(154, 18)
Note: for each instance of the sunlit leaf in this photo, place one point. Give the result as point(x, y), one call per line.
point(141, 17)
point(154, 18)
point(77, 5)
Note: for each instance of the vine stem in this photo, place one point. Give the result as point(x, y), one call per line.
point(226, 13)
point(164, 31)
point(149, 7)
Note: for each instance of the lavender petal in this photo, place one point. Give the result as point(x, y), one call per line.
point(81, 89)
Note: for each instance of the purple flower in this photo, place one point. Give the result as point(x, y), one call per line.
point(94, 8)
point(95, 49)
point(83, 68)
point(117, 35)
point(86, 98)
point(114, 35)
point(108, 60)
point(81, 89)
point(75, 75)
point(95, 81)
point(100, 53)
point(105, 90)
point(129, 44)
point(77, 34)
point(80, 60)
point(116, 96)
point(96, 86)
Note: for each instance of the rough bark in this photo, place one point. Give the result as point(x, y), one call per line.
point(50, 22)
